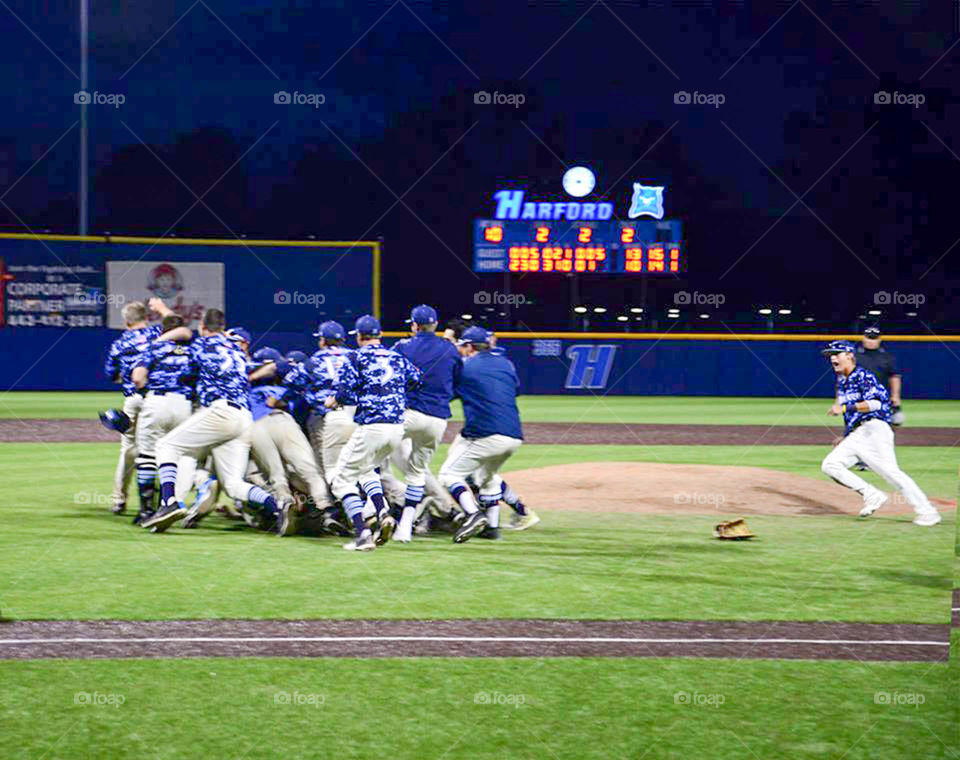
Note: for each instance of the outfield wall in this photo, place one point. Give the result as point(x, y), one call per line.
point(560, 363)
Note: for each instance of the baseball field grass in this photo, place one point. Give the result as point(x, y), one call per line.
point(690, 410)
point(470, 708)
point(64, 556)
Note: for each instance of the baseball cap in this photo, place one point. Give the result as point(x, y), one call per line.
point(872, 332)
point(115, 419)
point(367, 325)
point(474, 334)
point(238, 334)
point(838, 347)
point(267, 354)
point(296, 357)
point(423, 314)
point(330, 330)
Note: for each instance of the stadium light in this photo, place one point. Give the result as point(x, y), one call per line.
point(466, 316)
point(622, 318)
point(704, 316)
point(673, 315)
point(911, 313)
point(580, 309)
point(808, 319)
point(874, 312)
point(599, 310)
point(784, 312)
point(765, 311)
point(636, 310)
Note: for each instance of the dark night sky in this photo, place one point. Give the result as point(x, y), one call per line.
point(599, 80)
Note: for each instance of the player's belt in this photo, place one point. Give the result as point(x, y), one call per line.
point(167, 393)
point(234, 404)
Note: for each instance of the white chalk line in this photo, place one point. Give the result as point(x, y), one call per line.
point(464, 639)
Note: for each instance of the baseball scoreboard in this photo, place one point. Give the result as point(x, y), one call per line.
point(643, 247)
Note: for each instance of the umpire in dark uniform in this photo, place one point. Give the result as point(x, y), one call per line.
point(871, 356)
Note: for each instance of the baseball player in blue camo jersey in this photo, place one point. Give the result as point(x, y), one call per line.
point(119, 363)
point(868, 437)
point(492, 432)
point(428, 406)
point(221, 426)
point(166, 370)
point(377, 380)
point(313, 381)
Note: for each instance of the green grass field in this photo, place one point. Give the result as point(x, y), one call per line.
point(62, 555)
point(560, 708)
point(687, 410)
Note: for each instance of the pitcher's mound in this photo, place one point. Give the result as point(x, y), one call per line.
point(690, 488)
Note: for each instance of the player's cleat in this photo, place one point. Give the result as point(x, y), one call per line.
point(143, 514)
point(522, 522)
point(872, 502)
point(193, 518)
point(927, 520)
point(470, 527)
point(363, 544)
point(385, 528)
point(333, 525)
point(285, 518)
point(164, 517)
point(862, 466)
point(119, 509)
point(422, 526)
point(403, 533)
point(490, 533)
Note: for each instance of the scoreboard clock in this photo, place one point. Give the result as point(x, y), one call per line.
point(645, 246)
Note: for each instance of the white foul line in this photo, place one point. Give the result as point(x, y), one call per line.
point(466, 639)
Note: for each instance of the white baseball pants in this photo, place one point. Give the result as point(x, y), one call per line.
point(480, 457)
point(277, 439)
point(872, 443)
point(367, 448)
point(329, 434)
point(424, 433)
point(222, 431)
point(128, 449)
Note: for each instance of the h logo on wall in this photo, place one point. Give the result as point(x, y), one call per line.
point(590, 365)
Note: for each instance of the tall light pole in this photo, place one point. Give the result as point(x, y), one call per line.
point(83, 228)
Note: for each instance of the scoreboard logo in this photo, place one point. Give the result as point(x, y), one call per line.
point(647, 201)
point(511, 205)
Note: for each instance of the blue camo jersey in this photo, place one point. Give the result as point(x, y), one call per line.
point(222, 371)
point(862, 385)
point(170, 367)
point(440, 364)
point(125, 351)
point(316, 379)
point(377, 379)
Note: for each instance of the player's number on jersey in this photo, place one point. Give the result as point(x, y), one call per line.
point(384, 373)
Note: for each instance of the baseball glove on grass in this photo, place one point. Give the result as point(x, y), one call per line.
point(735, 530)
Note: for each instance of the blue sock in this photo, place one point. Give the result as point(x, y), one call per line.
point(513, 500)
point(262, 499)
point(168, 479)
point(464, 497)
point(374, 491)
point(413, 496)
point(146, 481)
point(353, 506)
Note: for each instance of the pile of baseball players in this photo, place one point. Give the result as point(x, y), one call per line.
point(307, 444)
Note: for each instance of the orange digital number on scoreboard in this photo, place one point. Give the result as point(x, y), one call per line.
point(493, 234)
point(633, 259)
point(586, 233)
point(627, 234)
point(543, 234)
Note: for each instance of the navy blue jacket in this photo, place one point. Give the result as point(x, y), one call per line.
point(488, 388)
point(440, 365)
